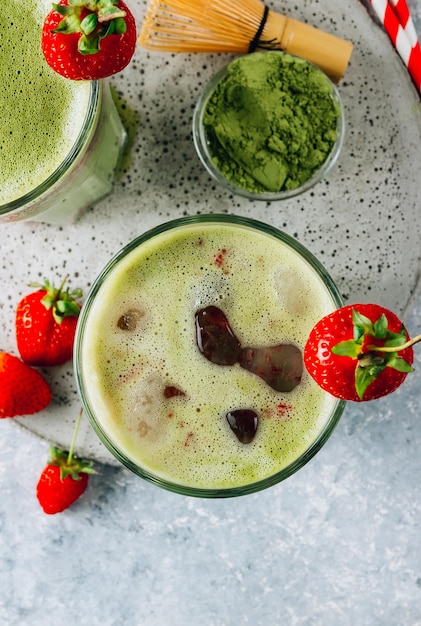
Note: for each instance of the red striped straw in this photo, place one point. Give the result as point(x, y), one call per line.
point(397, 22)
point(402, 11)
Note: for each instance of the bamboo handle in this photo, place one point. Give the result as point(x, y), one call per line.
point(330, 53)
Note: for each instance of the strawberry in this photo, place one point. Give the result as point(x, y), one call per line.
point(359, 352)
point(64, 479)
point(46, 323)
point(23, 390)
point(88, 39)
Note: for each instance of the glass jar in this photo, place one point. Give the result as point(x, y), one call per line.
point(152, 397)
point(85, 175)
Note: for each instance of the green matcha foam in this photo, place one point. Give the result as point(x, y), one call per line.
point(269, 295)
point(41, 113)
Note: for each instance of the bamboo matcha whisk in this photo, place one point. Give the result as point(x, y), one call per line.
point(239, 26)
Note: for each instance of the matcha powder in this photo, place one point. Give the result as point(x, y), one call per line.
point(271, 122)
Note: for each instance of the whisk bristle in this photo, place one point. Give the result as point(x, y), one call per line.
point(238, 26)
point(200, 25)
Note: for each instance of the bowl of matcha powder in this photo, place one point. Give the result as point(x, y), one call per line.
point(269, 125)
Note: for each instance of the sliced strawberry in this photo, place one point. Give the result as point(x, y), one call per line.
point(88, 39)
point(359, 352)
point(46, 323)
point(23, 390)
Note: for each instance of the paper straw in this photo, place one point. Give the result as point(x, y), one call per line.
point(402, 11)
point(409, 52)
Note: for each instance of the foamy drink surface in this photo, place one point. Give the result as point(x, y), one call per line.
point(155, 395)
point(41, 113)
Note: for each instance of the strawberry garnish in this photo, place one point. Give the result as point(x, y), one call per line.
point(88, 39)
point(23, 390)
point(64, 479)
point(46, 323)
point(359, 352)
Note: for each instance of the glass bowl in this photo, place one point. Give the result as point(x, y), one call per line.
point(150, 394)
point(212, 153)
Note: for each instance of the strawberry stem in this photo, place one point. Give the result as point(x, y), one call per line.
point(72, 445)
point(63, 282)
point(68, 465)
point(408, 344)
point(62, 303)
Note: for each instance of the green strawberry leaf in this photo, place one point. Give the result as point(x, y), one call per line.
point(69, 25)
point(349, 348)
point(88, 44)
point(62, 302)
point(371, 365)
point(64, 9)
point(119, 26)
point(91, 5)
point(104, 18)
point(395, 339)
point(362, 325)
point(89, 23)
point(380, 327)
point(398, 363)
point(110, 13)
point(364, 376)
point(66, 308)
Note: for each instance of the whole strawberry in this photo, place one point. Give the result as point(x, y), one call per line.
point(359, 352)
point(23, 390)
point(63, 480)
point(46, 323)
point(88, 39)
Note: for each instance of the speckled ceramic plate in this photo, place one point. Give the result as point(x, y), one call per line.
point(363, 221)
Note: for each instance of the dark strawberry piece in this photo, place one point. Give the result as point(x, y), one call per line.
point(243, 423)
point(281, 366)
point(171, 391)
point(215, 338)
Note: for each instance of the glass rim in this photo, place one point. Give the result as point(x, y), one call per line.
point(202, 147)
point(203, 492)
point(79, 145)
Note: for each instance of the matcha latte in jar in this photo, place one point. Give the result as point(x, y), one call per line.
point(60, 140)
point(188, 356)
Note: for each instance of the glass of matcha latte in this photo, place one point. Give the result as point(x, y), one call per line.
point(60, 139)
point(188, 356)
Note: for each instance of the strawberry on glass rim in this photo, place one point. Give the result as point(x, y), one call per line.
point(88, 39)
point(359, 352)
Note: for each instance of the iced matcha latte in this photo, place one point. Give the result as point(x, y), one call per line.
point(188, 356)
point(60, 140)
